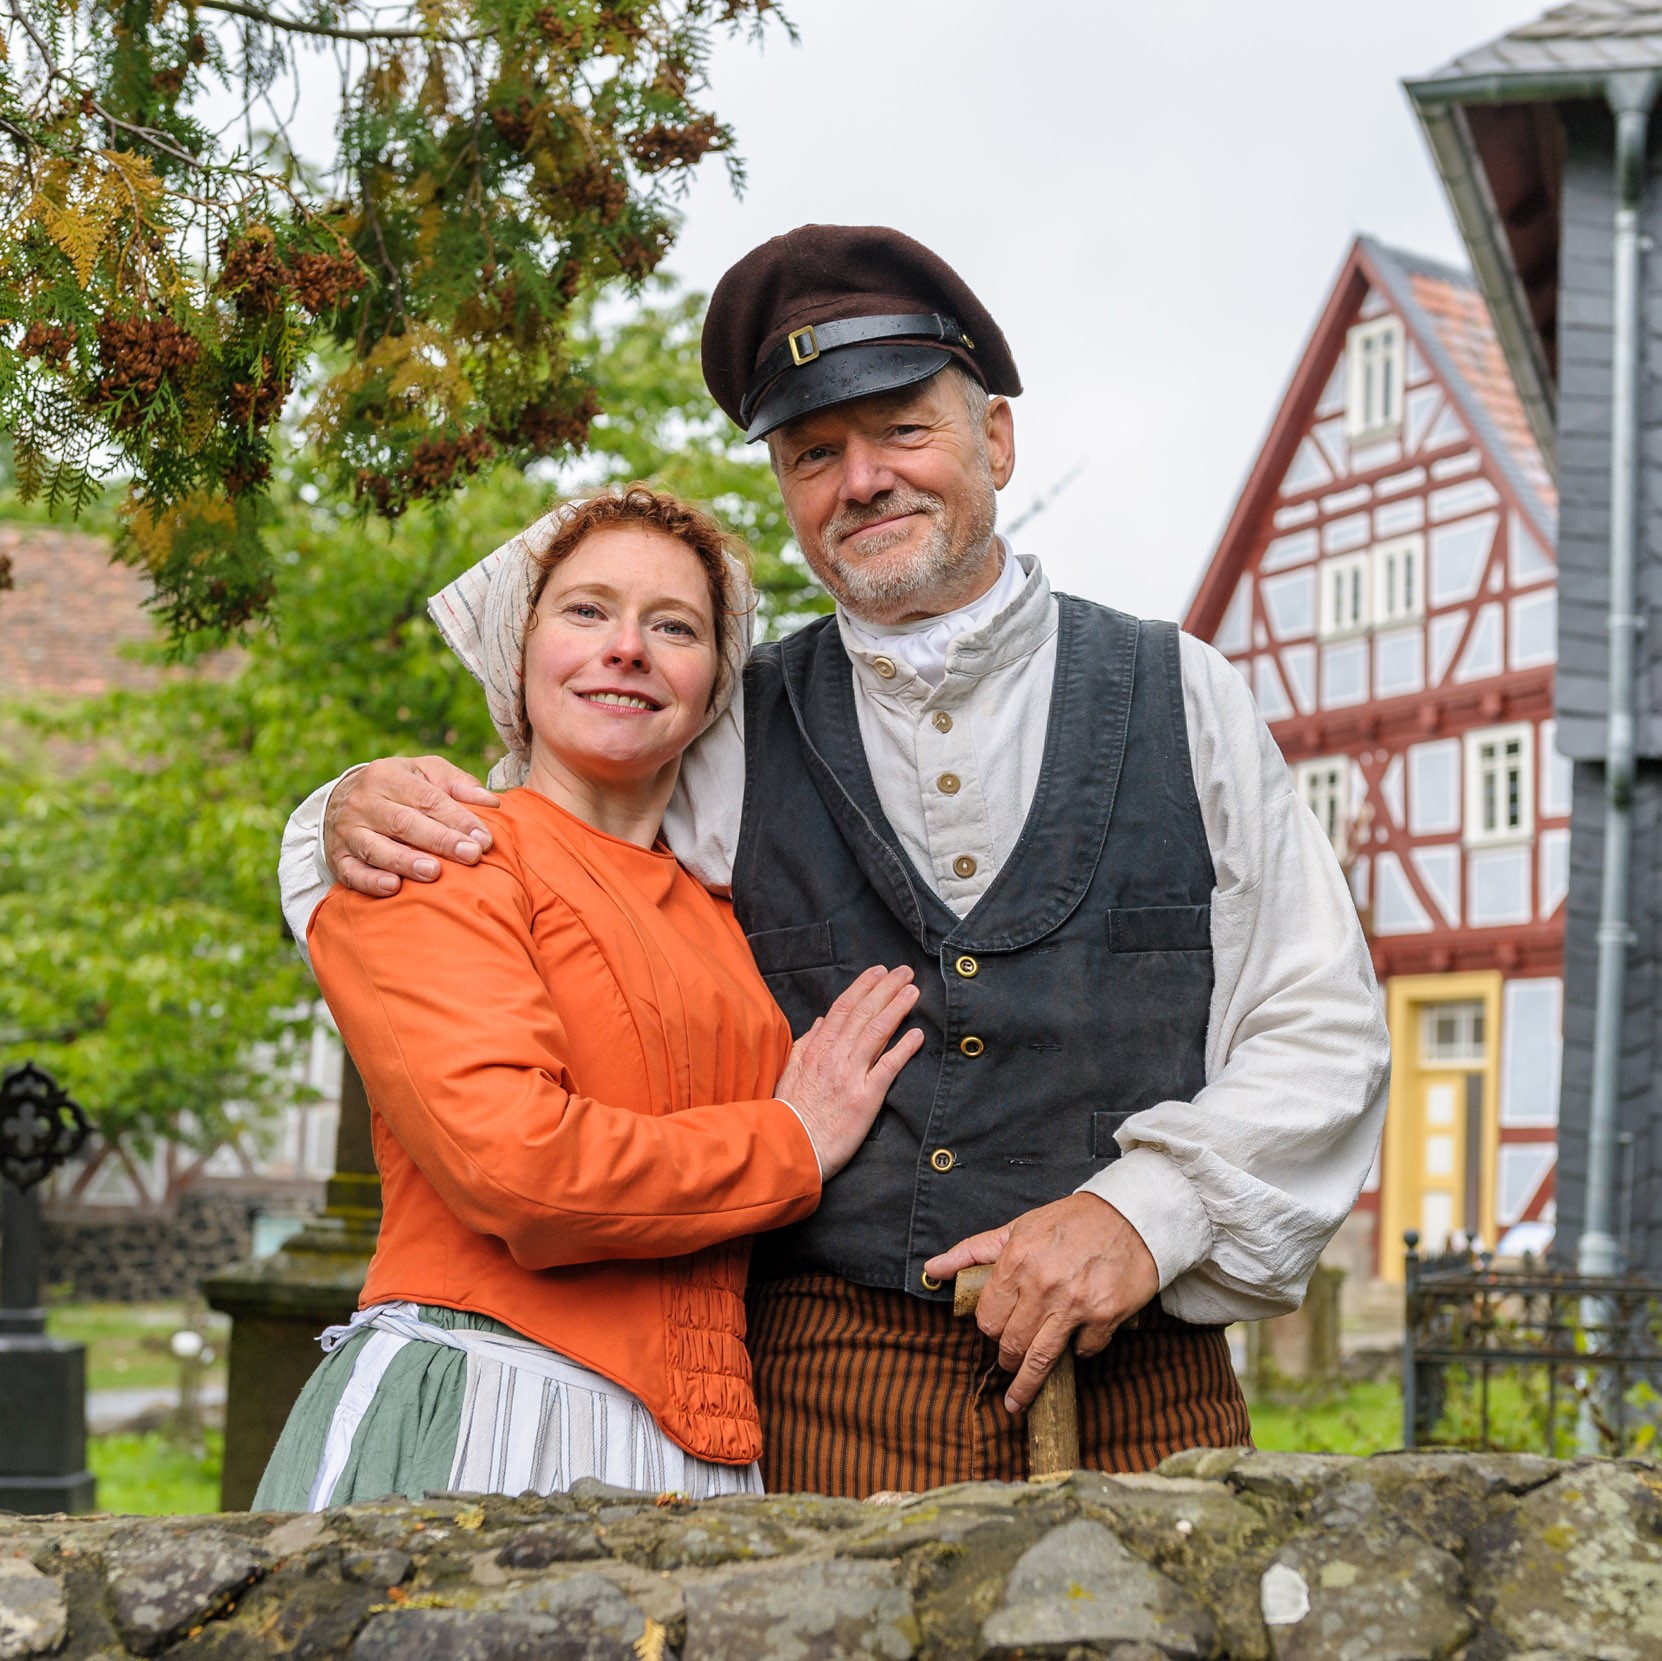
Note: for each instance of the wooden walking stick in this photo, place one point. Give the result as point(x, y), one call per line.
point(1053, 1419)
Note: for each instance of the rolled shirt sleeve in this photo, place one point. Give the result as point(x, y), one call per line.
point(1236, 1192)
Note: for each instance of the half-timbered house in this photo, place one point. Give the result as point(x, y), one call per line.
point(1386, 584)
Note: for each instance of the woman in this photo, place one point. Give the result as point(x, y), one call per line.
point(584, 1100)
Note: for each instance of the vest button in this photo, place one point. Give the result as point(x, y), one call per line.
point(929, 1282)
point(942, 1159)
point(941, 721)
point(967, 967)
point(884, 666)
point(964, 865)
point(948, 784)
point(971, 1046)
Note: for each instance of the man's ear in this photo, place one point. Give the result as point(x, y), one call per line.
point(1001, 441)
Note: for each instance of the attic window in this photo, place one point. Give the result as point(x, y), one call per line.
point(1373, 404)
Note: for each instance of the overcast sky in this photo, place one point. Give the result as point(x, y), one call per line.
point(1152, 199)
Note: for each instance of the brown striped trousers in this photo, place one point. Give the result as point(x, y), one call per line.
point(862, 1390)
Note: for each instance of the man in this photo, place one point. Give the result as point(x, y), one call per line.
point(1154, 1067)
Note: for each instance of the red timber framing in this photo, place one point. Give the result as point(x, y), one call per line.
point(1390, 594)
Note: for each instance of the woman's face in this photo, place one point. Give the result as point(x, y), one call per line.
point(622, 661)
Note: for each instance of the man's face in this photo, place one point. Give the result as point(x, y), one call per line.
point(893, 497)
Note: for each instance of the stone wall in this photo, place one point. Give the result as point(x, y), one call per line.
point(133, 1257)
point(1273, 1557)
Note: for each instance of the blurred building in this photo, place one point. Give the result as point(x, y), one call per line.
point(1387, 586)
point(129, 1221)
point(1548, 145)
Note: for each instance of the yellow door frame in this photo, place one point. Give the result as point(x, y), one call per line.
point(1400, 1164)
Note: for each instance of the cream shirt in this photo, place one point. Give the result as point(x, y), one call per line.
point(1237, 1191)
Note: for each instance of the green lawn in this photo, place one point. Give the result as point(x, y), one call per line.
point(151, 1475)
point(127, 1344)
point(1361, 1417)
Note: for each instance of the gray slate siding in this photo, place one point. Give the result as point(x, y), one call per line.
point(1639, 1168)
point(1584, 441)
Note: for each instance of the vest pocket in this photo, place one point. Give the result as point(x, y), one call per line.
point(779, 951)
point(1160, 928)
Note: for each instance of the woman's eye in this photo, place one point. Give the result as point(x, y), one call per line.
point(582, 608)
point(674, 625)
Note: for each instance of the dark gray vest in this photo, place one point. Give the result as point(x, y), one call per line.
point(1075, 993)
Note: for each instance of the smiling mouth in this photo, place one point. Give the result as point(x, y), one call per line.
point(618, 700)
point(876, 527)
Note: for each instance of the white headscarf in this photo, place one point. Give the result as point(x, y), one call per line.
point(482, 617)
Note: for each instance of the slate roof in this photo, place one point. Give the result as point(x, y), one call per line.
point(1585, 37)
point(1446, 311)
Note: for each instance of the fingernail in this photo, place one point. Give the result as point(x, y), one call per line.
point(387, 884)
point(428, 868)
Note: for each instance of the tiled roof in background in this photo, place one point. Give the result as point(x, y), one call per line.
point(1444, 303)
point(69, 613)
point(1584, 37)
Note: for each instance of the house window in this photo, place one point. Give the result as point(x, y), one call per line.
point(1374, 396)
point(1398, 583)
point(1452, 1033)
point(1500, 783)
point(1324, 786)
point(1345, 584)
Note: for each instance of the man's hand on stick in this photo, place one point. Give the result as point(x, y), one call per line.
point(1068, 1272)
point(385, 821)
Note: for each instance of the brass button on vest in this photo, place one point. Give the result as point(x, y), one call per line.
point(930, 1284)
point(941, 721)
point(967, 967)
point(964, 865)
point(942, 1159)
point(971, 1046)
point(885, 667)
point(948, 784)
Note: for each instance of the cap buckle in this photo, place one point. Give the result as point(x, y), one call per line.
point(804, 347)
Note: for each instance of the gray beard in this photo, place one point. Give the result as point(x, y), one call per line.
point(878, 594)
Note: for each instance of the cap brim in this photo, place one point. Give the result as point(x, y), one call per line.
point(837, 377)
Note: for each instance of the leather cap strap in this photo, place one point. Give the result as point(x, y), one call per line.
point(803, 345)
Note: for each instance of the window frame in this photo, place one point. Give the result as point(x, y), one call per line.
point(1474, 834)
point(1306, 771)
point(1334, 568)
point(1362, 423)
point(1411, 543)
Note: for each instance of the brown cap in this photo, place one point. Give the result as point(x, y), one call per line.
point(826, 313)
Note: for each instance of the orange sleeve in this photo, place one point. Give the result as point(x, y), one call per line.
point(438, 995)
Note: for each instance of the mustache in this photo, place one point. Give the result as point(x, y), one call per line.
point(856, 517)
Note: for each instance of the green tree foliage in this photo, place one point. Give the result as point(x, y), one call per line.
point(165, 276)
point(142, 954)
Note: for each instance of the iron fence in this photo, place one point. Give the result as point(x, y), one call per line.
point(1525, 1357)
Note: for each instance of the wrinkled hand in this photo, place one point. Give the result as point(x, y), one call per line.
point(384, 821)
point(1072, 1270)
point(839, 1070)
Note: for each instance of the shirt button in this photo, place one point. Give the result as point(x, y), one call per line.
point(967, 967)
point(964, 866)
point(884, 666)
point(930, 1284)
point(971, 1046)
point(948, 784)
point(942, 1159)
point(941, 721)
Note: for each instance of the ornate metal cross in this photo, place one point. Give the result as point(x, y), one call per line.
point(40, 1127)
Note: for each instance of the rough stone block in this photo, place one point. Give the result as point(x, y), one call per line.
point(165, 1579)
point(1079, 1585)
point(34, 1615)
point(814, 1611)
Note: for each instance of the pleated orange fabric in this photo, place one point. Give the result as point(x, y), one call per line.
point(862, 1390)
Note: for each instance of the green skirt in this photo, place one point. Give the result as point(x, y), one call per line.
point(406, 1443)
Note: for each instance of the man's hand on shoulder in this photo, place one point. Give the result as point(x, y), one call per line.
point(1068, 1272)
point(387, 820)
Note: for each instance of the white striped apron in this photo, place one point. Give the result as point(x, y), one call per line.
point(532, 1421)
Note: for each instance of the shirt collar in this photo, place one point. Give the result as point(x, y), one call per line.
point(1012, 619)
